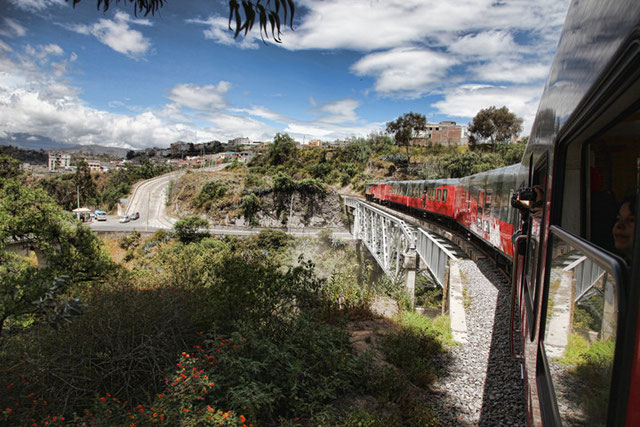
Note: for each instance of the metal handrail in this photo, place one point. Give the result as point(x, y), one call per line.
point(435, 260)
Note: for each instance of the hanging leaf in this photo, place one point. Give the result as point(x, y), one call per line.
point(291, 9)
point(275, 24)
point(243, 24)
point(233, 8)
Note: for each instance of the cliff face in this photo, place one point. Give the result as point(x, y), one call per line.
point(277, 210)
point(298, 211)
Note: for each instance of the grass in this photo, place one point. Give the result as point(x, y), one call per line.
point(590, 368)
point(467, 300)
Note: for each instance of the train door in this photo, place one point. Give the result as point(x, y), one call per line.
point(589, 310)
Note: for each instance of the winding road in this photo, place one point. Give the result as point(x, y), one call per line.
point(149, 199)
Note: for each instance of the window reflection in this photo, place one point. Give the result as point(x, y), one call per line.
point(579, 339)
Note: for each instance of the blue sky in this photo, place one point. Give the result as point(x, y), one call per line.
point(81, 76)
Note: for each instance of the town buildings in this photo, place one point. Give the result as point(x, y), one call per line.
point(443, 133)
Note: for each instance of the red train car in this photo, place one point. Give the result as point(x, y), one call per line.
point(576, 259)
point(479, 203)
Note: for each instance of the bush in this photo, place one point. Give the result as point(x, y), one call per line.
point(397, 159)
point(210, 192)
point(250, 205)
point(132, 240)
point(188, 229)
point(282, 183)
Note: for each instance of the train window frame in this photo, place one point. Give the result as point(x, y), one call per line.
point(614, 97)
point(608, 262)
point(444, 195)
point(439, 194)
point(534, 255)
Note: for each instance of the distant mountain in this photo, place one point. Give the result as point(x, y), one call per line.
point(97, 149)
point(32, 142)
point(37, 142)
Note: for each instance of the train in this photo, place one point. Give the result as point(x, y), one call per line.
point(563, 219)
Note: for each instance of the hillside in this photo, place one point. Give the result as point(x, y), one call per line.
point(219, 197)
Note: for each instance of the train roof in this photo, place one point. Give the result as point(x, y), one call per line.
point(593, 32)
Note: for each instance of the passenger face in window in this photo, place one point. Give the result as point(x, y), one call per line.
point(624, 228)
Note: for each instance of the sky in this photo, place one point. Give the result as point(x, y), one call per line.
point(84, 76)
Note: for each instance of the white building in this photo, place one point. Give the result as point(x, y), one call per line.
point(59, 161)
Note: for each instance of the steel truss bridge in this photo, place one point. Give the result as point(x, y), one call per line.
point(399, 248)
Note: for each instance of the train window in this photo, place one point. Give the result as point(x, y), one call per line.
point(439, 194)
point(614, 171)
point(580, 327)
point(600, 173)
point(444, 195)
point(488, 198)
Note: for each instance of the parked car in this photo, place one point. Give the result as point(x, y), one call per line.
point(101, 215)
point(134, 216)
point(125, 219)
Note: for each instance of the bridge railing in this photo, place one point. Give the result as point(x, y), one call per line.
point(389, 239)
point(586, 273)
point(435, 256)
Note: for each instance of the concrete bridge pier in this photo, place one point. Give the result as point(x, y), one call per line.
point(410, 267)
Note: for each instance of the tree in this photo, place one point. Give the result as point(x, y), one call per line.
point(188, 229)
point(496, 125)
point(282, 149)
point(404, 127)
point(9, 167)
point(267, 15)
point(86, 187)
point(30, 218)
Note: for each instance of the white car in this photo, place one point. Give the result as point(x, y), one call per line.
point(125, 219)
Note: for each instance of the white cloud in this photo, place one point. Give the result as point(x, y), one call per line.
point(5, 47)
point(467, 100)
point(10, 28)
point(262, 112)
point(35, 5)
point(487, 44)
point(218, 31)
point(66, 119)
point(409, 72)
point(511, 71)
point(203, 98)
point(118, 35)
point(340, 111)
point(337, 24)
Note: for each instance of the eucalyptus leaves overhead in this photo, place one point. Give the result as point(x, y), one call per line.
point(271, 15)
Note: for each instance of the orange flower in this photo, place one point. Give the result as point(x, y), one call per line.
point(242, 419)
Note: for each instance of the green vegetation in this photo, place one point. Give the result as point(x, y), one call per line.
point(188, 229)
point(217, 330)
point(494, 124)
point(427, 292)
point(412, 347)
point(590, 369)
point(30, 218)
point(250, 207)
point(405, 127)
point(210, 192)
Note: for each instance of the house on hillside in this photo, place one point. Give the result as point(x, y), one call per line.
point(443, 133)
